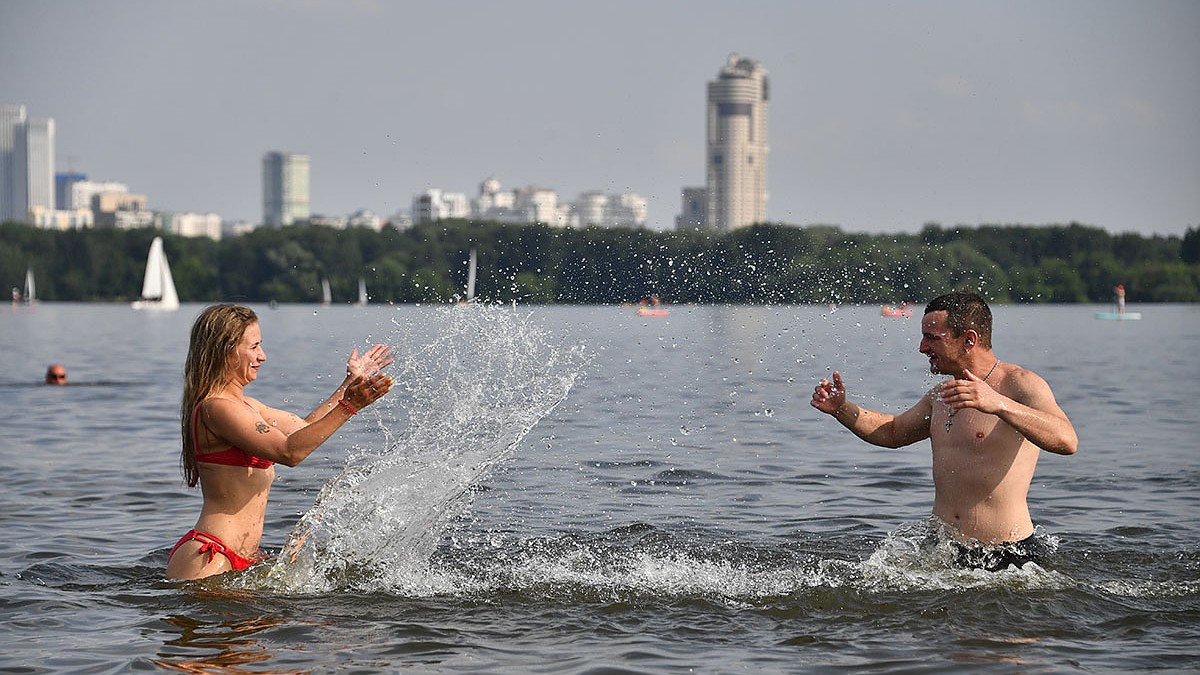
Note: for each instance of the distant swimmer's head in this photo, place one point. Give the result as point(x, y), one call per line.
point(56, 374)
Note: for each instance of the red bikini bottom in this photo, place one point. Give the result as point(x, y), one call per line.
point(212, 546)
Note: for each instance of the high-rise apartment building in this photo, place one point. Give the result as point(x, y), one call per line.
point(26, 164)
point(736, 176)
point(14, 164)
point(40, 157)
point(285, 188)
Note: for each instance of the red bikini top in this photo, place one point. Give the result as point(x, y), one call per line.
point(230, 456)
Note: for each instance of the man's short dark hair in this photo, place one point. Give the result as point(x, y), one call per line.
point(965, 310)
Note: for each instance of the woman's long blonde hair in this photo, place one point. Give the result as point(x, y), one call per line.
point(215, 335)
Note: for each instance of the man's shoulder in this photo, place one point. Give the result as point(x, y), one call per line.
point(1020, 373)
point(1021, 382)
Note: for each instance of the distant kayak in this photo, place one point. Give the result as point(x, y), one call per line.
point(1119, 316)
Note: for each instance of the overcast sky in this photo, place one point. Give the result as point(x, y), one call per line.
point(884, 116)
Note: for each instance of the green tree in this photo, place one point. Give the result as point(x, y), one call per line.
point(765, 263)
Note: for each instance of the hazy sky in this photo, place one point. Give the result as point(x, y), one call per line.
point(883, 116)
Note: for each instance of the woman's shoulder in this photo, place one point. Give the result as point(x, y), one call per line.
point(226, 405)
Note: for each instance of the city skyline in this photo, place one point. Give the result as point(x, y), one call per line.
point(883, 118)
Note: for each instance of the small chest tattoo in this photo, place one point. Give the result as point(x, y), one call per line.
point(262, 428)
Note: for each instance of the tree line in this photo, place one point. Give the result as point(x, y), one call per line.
point(766, 263)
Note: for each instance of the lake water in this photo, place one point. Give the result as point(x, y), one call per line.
point(583, 490)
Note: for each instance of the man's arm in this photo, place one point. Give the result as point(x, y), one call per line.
point(876, 428)
point(1031, 410)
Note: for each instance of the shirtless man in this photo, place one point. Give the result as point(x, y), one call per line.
point(986, 424)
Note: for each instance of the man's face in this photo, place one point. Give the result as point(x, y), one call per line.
point(940, 345)
point(56, 375)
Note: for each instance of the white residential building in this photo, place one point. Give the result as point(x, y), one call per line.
point(61, 219)
point(591, 209)
point(629, 211)
point(493, 203)
point(191, 224)
point(83, 191)
point(539, 205)
point(433, 205)
point(121, 210)
point(596, 209)
point(531, 204)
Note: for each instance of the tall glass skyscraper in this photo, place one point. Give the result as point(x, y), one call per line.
point(285, 188)
point(26, 163)
point(14, 163)
point(40, 153)
point(736, 176)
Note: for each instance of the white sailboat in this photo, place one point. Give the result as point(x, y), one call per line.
point(30, 296)
point(471, 278)
point(326, 295)
point(362, 292)
point(158, 288)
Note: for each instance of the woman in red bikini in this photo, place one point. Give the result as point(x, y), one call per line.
point(231, 442)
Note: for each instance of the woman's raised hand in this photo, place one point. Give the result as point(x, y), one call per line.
point(363, 391)
point(372, 361)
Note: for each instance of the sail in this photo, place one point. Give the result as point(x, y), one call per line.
point(326, 295)
point(158, 286)
point(170, 300)
point(362, 291)
point(152, 283)
point(471, 278)
point(30, 291)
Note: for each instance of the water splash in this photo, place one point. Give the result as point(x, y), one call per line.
point(466, 399)
point(921, 555)
point(643, 563)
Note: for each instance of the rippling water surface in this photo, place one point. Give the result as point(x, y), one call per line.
point(583, 490)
